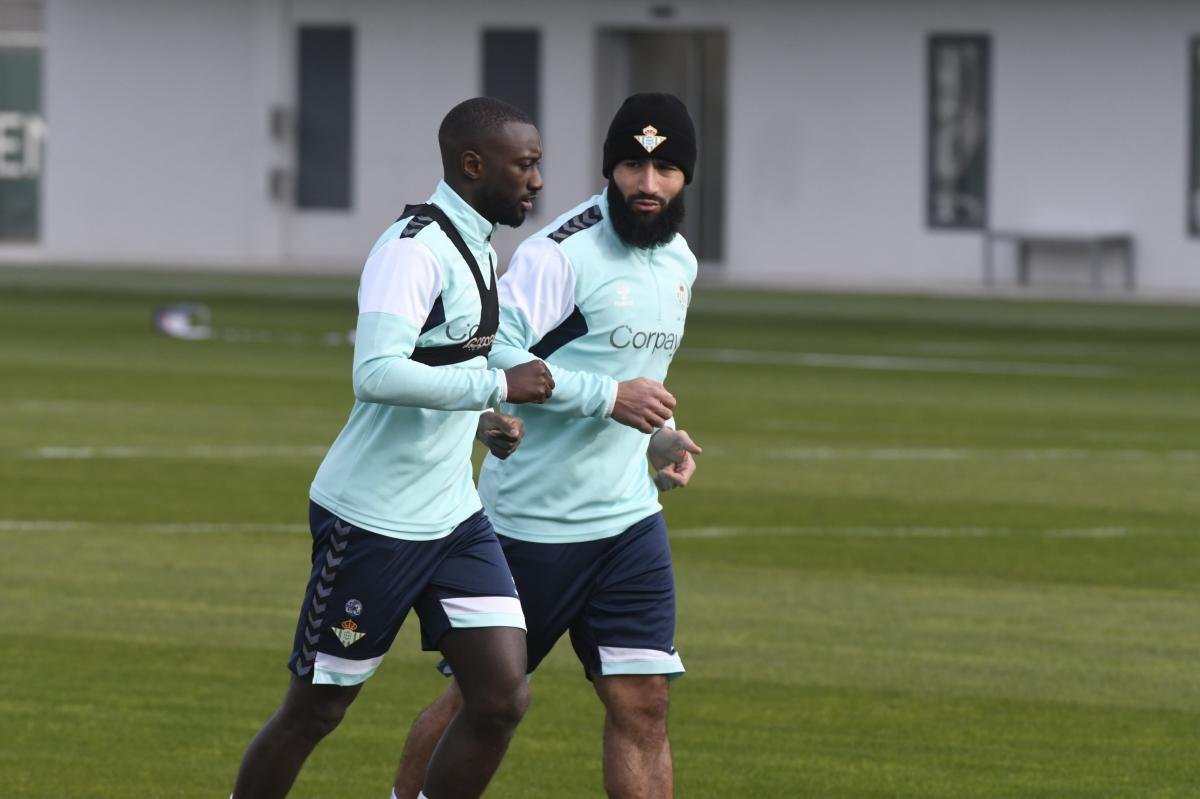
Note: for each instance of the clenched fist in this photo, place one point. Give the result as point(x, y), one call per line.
point(529, 382)
point(499, 432)
point(643, 404)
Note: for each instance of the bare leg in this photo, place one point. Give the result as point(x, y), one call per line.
point(422, 739)
point(273, 759)
point(489, 666)
point(637, 752)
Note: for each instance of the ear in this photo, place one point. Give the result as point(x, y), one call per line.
point(472, 165)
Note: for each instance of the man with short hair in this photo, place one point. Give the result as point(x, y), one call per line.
point(601, 295)
point(396, 520)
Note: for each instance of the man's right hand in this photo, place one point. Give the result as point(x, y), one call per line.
point(643, 404)
point(529, 382)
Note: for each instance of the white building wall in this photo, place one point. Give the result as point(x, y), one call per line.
point(1092, 128)
point(1089, 108)
point(159, 152)
point(152, 152)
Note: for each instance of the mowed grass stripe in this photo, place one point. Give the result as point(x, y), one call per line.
point(894, 363)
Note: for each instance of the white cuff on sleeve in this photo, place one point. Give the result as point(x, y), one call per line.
point(612, 401)
point(502, 382)
point(669, 423)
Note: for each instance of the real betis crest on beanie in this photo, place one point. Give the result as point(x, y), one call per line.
point(651, 126)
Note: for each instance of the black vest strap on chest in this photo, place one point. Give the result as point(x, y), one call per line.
point(478, 339)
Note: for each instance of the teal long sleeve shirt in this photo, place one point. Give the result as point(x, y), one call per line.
point(401, 466)
point(598, 312)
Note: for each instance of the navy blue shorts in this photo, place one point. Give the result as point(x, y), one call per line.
point(363, 584)
point(616, 597)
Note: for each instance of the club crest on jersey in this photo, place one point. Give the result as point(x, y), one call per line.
point(650, 138)
point(347, 633)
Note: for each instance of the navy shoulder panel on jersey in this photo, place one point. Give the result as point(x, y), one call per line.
point(581, 221)
point(437, 314)
point(573, 327)
point(415, 226)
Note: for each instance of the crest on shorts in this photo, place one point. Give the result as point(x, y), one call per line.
point(347, 633)
point(649, 138)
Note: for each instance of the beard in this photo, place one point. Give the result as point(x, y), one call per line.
point(637, 229)
point(499, 208)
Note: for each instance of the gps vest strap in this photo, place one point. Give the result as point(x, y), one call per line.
point(479, 338)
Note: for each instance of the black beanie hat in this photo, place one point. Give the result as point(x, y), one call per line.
point(651, 126)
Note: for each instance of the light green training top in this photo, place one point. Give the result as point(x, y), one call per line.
point(402, 464)
point(598, 312)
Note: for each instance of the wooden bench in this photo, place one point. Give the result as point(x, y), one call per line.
point(1097, 246)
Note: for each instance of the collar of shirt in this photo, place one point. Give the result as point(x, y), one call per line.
point(602, 201)
point(474, 229)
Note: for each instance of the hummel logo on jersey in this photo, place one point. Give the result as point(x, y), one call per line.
point(650, 138)
point(623, 298)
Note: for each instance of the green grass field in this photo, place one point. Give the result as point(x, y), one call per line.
point(935, 548)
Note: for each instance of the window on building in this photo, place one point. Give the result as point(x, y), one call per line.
point(1193, 198)
point(22, 127)
point(325, 113)
point(512, 68)
point(958, 131)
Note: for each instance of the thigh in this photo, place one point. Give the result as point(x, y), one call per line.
point(628, 624)
point(315, 701)
point(360, 588)
point(487, 662)
point(471, 586)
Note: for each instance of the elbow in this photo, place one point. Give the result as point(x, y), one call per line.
point(365, 382)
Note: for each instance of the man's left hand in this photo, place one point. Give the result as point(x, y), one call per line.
point(499, 432)
point(671, 454)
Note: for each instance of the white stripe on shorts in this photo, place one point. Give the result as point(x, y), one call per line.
point(484, 611)
point(333, 670)
point(625, 660)
point(463, 605)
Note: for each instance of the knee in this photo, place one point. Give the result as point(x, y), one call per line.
point(641, 707)
point(509, 706)
point(502, 707)
point(518, 702)
point(315, 721)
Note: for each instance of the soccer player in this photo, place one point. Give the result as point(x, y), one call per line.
point(396, 520)
point(601, 295)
